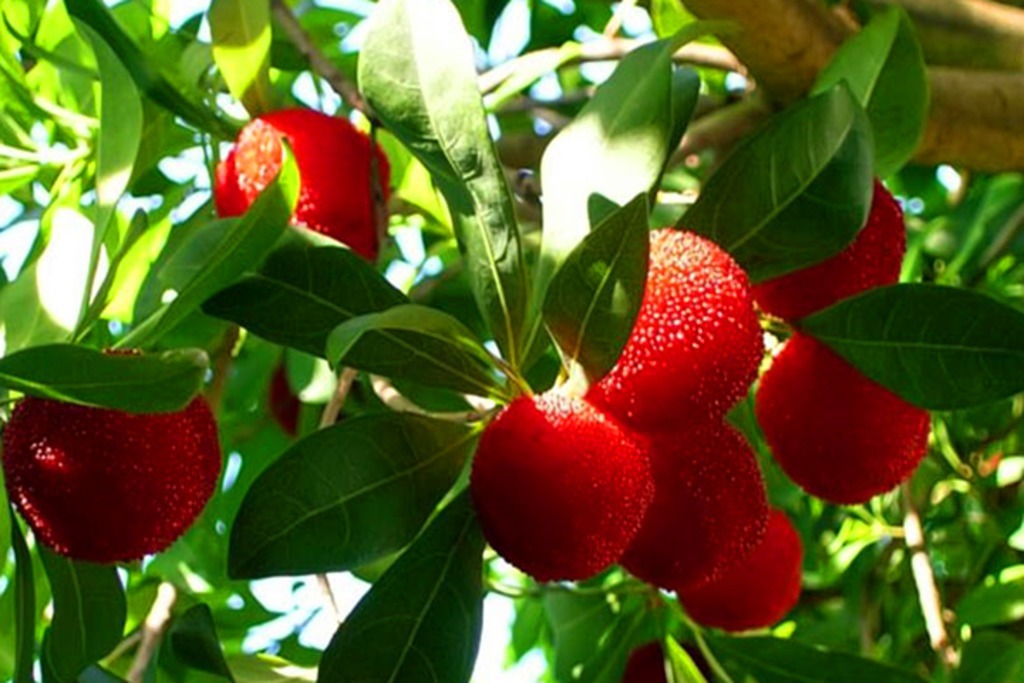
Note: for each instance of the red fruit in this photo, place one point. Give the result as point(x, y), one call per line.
point(696, 345)
point(758, 592)
point(108, 486)
point(646, 664)
point(836, 433)
point(709, 508)
point(872, 260)
point(284, 404)
point(560, 488)
point(334, 165)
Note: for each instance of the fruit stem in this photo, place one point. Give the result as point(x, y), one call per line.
point(698, 635)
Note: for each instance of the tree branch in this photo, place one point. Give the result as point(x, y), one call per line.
point(924, 579)
point(976, 118)
point(153, 631)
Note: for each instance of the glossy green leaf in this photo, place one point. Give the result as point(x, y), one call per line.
point(991, 605)
point(89, 612)
point(416, 69)
point(684, 669)
point(193, 640)
point(241, 48)
point(120, 132)
point(150, 383)
point(147, 74)
point(421, 621)
point(239, 245)
point(347, 495)
point(795, 192)
point(884, 67)
point(940, 348)
point(991, 657)
point(417, 343)
point(577, 623)
point(302, 292)
point(593, 299)
point(608, 660)
point(24, 604)
point(775, 660)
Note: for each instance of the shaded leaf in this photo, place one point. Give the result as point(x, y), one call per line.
point(417, 71)
point(937, 347)
point(808, 168)
point(302, 292)
point(422, 619)
point(991, 657)
point(241, 48)
point(347, 495)
point(154, 382)
point(193, 639)
point(594, 297)
point(991, 605)
point(416, 343)
point(89, 612)
point(24, 605)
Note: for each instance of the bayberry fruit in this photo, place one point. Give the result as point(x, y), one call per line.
point(873, 259)
point(108, 486)
point(696, 345)
point(839, 435)
point(284, 404)
point(646, 664)
point(709, 508)
point(759, 591)
point(560, 487)
point(334, 161)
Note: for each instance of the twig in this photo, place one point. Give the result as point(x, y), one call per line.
point(332, 601)
point(221, 366)
point(615, 23)
point(378, 208)
point(1007, 234)
point(338, 81)
point(330, 414)
point(924, 579)
point(153, 630)
point(394, 400)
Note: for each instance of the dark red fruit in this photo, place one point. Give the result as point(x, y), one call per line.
point(646, 664)
point(284, 404)
point(841, 436)
point(560, 488)
point(696, 345)
point(872, 260)
point(108, 486)
point(709, 508)
point(334, 165)
point(758, 592)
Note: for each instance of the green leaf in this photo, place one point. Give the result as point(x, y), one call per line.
point(775, 660)
point(991, 657)
point(193, 640)
point(684, 670)
point(594, 297)
point(302, 292)
point(608, 659)
point(668, 16)
point(150, 383)
point(794, 193)
point(241, 243)
point(120, 131)
point(24, 605)
point(418, 343)
point(577, 623)
point(940, 348)
point(416, 69)
point(148, 76)
point(421, 621)
point(89, 612)
point(884, 67)
point(991, 605)
point(241, 48)
point(347, 495)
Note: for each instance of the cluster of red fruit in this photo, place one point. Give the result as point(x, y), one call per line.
point(109, 486)
point(644, 471)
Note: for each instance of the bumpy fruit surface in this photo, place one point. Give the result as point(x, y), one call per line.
point(709, 509)
point(284, 404)
point(107, 486)
point(759, 591)
point(333, 157)
point(646, 664)
point(872, 260)
point(839, 435)
point(696, 345)
point(560, 488)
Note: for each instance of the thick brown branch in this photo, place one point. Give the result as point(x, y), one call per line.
point(976, 118)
